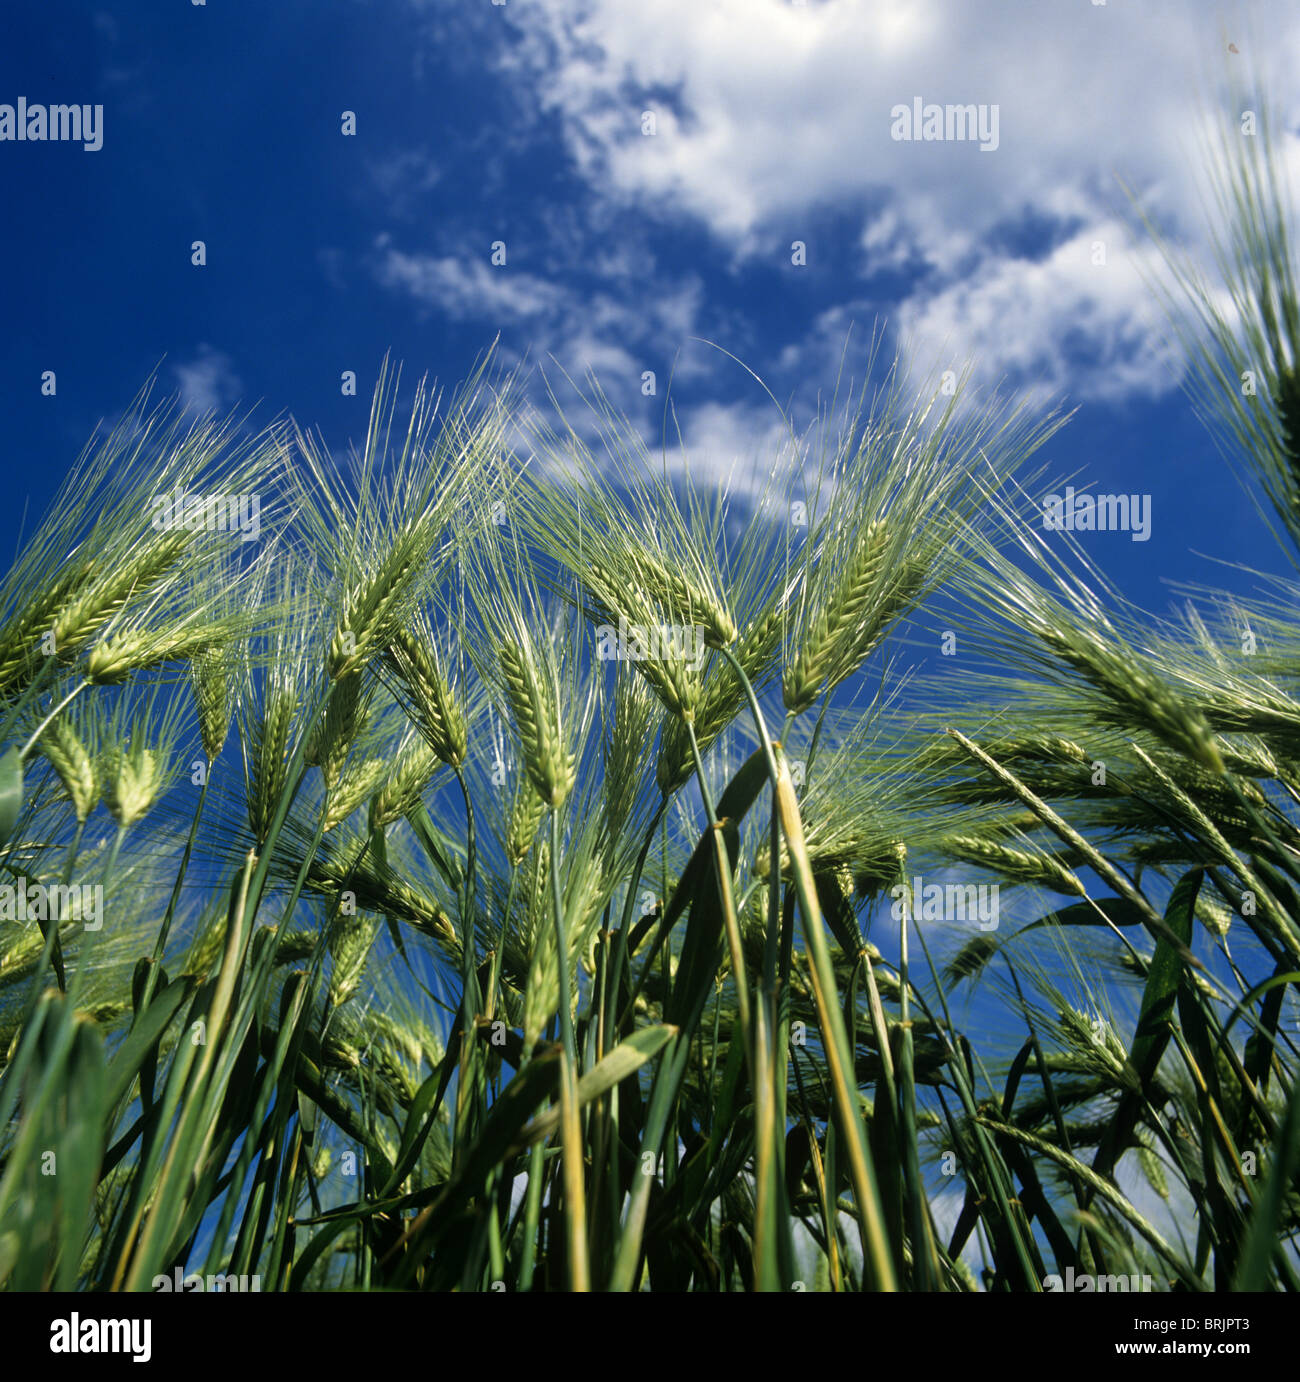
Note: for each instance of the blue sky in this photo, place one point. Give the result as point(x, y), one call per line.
point(524, 123)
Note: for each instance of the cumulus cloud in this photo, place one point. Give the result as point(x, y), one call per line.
point(770, 115)
point(766, 113)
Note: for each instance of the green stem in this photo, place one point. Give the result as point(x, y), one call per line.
point(40, 729)
point(571, 1129)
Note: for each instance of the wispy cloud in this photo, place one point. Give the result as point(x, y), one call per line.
point(464, 286)
point(208, 383)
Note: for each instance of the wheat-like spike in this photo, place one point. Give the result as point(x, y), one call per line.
point(1139, 695)
point(624, 751)
point(1017, 865)
point(689, 603)
point(118, 657)
point(339, 732)
point(723, 698)
point(548, 763)
point(270, 761)
point(525, 816)
point(101, 599)
point(353, 789)
point(1096, 1043)
point(70, 759)
point(371, 608)
point(350, 949)
point(542, 990)
point(1039, 746)
point(20, 651)
point(133, 778)
point(401, 792)
point(677, 685)
point(380, 890)
point(434, 706)
point(1286, 395)
point(210, 676)
point(1214, 916)
point(841, 609)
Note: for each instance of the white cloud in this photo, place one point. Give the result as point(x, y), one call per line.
point(768, 112)
point(208, 383)
point(1032, 320)
point(465, 286)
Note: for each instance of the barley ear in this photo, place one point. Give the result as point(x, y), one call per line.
point(549, 764)
point(70, 759)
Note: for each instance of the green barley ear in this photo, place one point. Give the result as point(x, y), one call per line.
point(723, 695)
point(429, 699)
point(211, 676)
point(270, 752)
point(353, 789)
point(877, 585)
point(21, 638)
point(68, 755)
point(525, 817)
point(122, 655)
point(624, 749)
point(377, 600)
point(137, 756)
point(341, 725)
point(688, 601)
point(1015, 865)
point(350, 949)
point(382, 535)
point(534, 702)
point(1135, 691)
point(401, 791)
point(107, 594)
point(839, 610)
point(542, 990)
point(133, 780)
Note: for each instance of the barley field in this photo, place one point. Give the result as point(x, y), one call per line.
point(522, 868)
